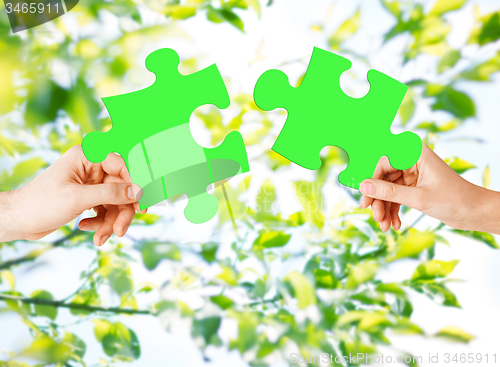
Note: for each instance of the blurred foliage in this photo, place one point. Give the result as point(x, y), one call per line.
point(334, 300)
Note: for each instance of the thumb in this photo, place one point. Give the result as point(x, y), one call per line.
point(110, 193)
point(388, 191)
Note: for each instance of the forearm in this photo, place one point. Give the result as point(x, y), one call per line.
point(10, 224)
point(484, 211)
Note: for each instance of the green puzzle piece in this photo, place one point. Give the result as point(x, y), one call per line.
point(321, 114)
point(151, 132)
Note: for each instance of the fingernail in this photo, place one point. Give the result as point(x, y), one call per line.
point(134, 192)
point(130, 193)
point(367, 188)
point(84, 227)
point(104, 239)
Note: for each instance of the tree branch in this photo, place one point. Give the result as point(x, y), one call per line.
point(74, 306)
point(32, 255)
point(276, 298)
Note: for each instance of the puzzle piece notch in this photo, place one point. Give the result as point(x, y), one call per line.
point(320, 114)
point(161, 154)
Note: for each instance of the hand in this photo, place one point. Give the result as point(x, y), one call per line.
point(64, 191)
point(433, 188)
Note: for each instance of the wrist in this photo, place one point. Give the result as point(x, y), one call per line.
point(484, 212)
point(10, 221)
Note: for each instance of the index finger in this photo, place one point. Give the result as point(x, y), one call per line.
point(383, 168)
point(114, 165)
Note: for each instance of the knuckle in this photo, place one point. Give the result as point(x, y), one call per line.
point(75, 149)
point(111, 191)
point(389, 192)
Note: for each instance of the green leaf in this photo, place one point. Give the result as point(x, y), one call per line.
point(455, 334)
point(48, 350)
point(350, 317)
point(436, 291)
point(13, 364)
point(444, 6)
point(209, 251)
point(297, 219)
point(390, 288)
point(224, 14)
point(448, 61)
point(11, 146)
point(434, 128)
point(154, 252)
point(85, 297)
point(325, 279)
point(484, 237)
point(145, 218)
point(487, 176)
point(8, 276)
point(228, 275)
point(43, 310)
point(346, 30)
point(135, 347)
point(82, 106)
point(459, 165)
point(181, 12)
point(147, 287)
point(257, 289)
point(21, 172)
point(17, 306)
point(404, 326)
point(487, 29)
point(255, 5)
point(164, 305)
point(402, 306)
point(266, 348)
point(222, 301)
point(412, 244)
point(448, 99)
point(117, 340)
point(407, 107)
point(270, 239)
point(355, 347)
point(483, 71)
point(77, 346)
point(392, 6)
point(45, 99)
point(102, 327)
point(207, 328)
point(247, 330)
point(301, 289)
point(371, 321)
point(311, 198)
point(434, 269)
point(369, 297)
point(117, 272)
point(361, 273)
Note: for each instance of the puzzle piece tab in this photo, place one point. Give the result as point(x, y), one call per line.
point(321, 114)
point(151, 132)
